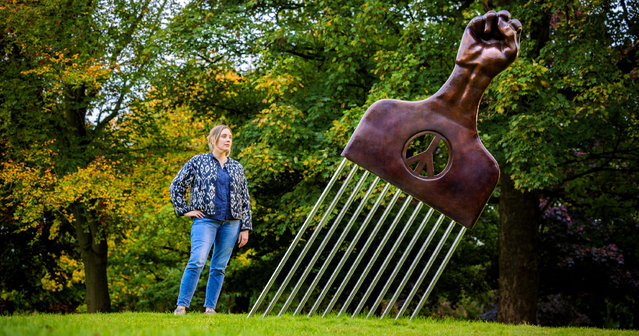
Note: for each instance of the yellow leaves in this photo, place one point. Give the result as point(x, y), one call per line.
point(69, 272)
point(54, 229)
point(229, 76)
point(18, 173)
point(99, 187)
point(214, 82)
point(275, 119)
point(66, 68)
point(245, 258)
point(35, 189)
point(276, 85)
point(173, 125)
point(30, 185)
point(50, 284)
point(73, 269)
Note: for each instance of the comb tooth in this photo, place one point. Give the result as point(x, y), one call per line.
point(416, 260)
point(319, 250)
point(337, 244)
point(336, 203)
point(297, 238)
point(363, 251)
point(349, 249)
point(439, 270)
point(312, 239)
point(389, 256)
point(377, 252)
point(400, 263)
point(426, 269)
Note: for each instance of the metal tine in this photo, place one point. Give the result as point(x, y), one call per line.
point(399, 264)
point(425, 271)
point(376, 253)
point(298, 236)
point(416, 260)
point(349, 249)
point(336, 245)
point(310, 241)
point(329, 234)
point(363, 250)
point(439, 271)
point(389, 256)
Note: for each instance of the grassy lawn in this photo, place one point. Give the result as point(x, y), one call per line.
point(225, 324)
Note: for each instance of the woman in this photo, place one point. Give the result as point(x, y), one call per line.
point(221, 211)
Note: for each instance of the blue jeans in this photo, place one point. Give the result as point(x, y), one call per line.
point(205, 233)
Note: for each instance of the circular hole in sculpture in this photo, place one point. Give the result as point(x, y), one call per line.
point(427, 154)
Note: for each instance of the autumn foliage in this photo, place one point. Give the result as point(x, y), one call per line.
point(102, 102)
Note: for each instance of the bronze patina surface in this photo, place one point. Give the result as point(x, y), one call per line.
point(490, 43)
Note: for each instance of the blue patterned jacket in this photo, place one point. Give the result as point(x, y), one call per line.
point(200, 174)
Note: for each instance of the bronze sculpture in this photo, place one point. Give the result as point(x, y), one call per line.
point(380, 144)
point(489, 44)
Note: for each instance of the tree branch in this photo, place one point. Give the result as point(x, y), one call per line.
point(596, 170)
point(211, 61)
point(128, 35)
point(145, 61)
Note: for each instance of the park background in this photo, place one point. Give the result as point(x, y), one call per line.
point(102, 102)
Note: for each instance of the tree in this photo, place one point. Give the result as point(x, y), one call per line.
point(88, 97)
point(74, 65)
point(318, 66)
point(536, 117)
point(561, 122)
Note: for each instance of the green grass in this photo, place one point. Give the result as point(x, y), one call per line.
point(225, 324)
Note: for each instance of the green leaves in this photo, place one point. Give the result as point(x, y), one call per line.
point(141, 83)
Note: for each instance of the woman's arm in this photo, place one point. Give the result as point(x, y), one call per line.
point(247, 223)
point(179, 186)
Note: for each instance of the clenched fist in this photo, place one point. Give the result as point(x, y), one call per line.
point(490, 42)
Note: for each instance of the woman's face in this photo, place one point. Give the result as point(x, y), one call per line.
point(225, 141)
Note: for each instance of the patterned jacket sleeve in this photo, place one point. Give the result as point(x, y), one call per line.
point(179, 186)
point(247, 223)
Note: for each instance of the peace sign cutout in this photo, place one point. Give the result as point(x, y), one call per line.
point(431, 162)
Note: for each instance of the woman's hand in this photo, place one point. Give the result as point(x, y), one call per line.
point(195, 213)
point(242, 238)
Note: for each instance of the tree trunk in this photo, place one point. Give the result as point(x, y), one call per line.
point(518, 264)
point(92, 241)
point(93, 250)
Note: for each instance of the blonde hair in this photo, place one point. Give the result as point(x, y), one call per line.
point(214, 134)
